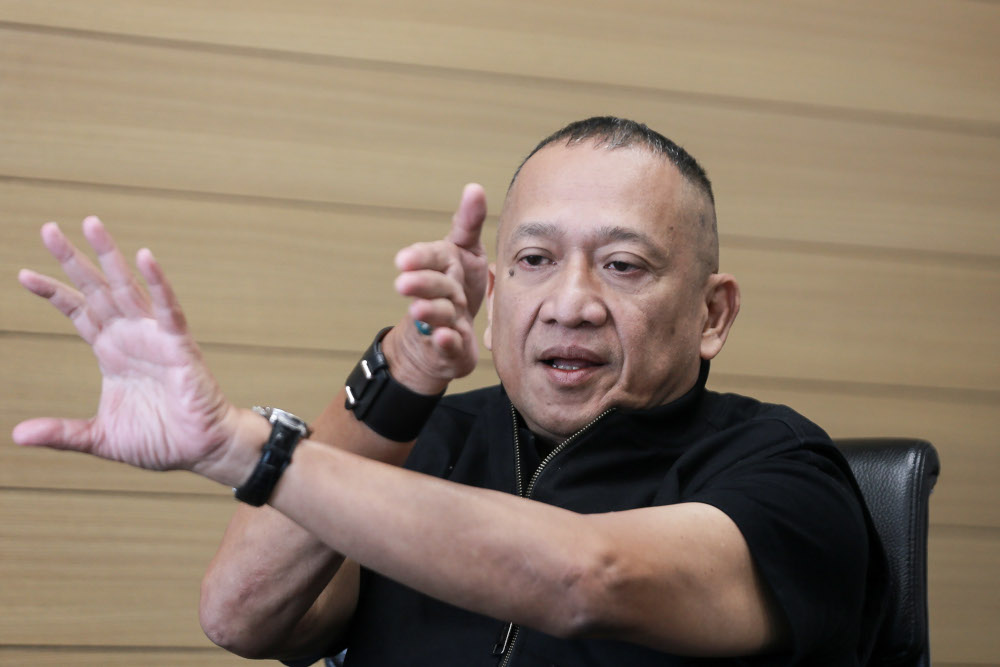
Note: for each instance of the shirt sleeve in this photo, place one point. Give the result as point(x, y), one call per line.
point(805, 524)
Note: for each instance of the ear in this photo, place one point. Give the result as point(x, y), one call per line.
point(490, 282)
point(722, 303)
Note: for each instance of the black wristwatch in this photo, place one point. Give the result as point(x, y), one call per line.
point(382, 403)
point(286, 431)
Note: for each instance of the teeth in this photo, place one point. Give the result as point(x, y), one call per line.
point(566, 366)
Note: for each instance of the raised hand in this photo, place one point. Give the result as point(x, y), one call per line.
point(160, 408)
point(447, 281)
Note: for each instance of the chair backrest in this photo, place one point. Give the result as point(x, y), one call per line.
point(896, 476)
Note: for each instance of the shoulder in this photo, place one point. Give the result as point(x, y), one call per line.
point(790, 491)
point(734, 413)
point(739, 434)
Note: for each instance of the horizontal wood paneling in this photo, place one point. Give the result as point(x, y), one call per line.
point(275, 157)
point(109, 569)
point(246, 272)
point(964, 583)
point(62, 371)
point(104, 569)
point(50, 656)
point(267, 275)
point(881, 57)
point(87, 110)
point(856, 319)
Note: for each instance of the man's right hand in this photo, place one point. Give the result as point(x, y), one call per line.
point(447, 281)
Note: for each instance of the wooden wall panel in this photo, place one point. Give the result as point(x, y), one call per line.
point(84, 656)
point(285, 276)
point(964, 581)
point(105, 569)
point(856, 319)
point(848, 56)
point(806, 314)
point(854, 150)
point(85, 109)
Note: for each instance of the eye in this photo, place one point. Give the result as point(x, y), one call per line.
point(533, 260)
point(621, 266)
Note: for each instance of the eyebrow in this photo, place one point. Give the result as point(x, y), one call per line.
point(536, 229)
point(628, 236)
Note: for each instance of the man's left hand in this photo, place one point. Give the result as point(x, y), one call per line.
point(447, 281)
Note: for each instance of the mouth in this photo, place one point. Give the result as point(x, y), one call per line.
point(569, 364)
point(571, 361)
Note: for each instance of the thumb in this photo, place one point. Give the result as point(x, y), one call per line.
point(71, 434)
point(467, 223)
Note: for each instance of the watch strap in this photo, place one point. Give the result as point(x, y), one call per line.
point(381, 402)
point(286, 431)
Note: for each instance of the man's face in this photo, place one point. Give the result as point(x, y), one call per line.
point(596, 299)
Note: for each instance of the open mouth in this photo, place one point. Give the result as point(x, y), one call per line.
point(572, 361)
point(569, 364)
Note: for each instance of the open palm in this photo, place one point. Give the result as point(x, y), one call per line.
point(160, 408)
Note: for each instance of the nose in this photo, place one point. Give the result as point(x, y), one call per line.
point(574, 298)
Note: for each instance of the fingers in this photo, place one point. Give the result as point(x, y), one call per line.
point(103, 295)
point(54, 433)
point(434, 313)
point(467, 223)
point(448, 341)
point(126, 291)
point(66, 300)
point(166, 307)
point(438, 299)
point(82, 272)
point(430, 284)
point(433, 255)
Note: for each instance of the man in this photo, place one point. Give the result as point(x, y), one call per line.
point(601, 507)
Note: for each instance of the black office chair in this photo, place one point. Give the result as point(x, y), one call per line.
point(896, 476)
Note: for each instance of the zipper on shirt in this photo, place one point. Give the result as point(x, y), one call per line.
point(508, 635)
point(503, 641)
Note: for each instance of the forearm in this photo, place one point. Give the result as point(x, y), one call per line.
point(265, 583)
point(266, 591)
point(677, 578)
point(471, 547)
point(481, 550)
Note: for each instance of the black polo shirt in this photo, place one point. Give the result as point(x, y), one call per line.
point(776, 474)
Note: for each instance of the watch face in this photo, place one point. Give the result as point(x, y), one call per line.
point(288, 420)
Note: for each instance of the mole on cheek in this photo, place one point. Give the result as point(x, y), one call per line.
point(510, 272)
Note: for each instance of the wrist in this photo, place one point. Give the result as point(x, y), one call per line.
point(403, 368)
point(384, 404)
point(286, 432)
point(238, 456)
